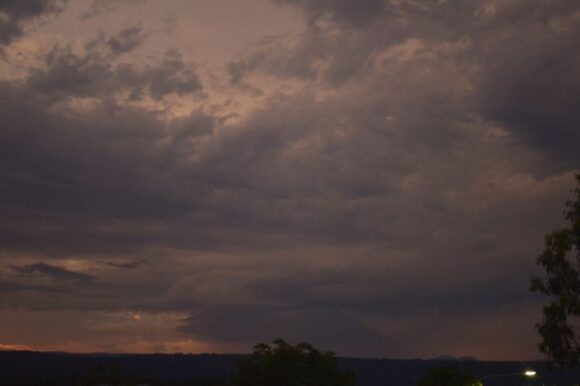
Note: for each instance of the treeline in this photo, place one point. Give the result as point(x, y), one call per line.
point(84, 380)
point(279, 364)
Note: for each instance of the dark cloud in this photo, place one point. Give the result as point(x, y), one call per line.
point(357, 13)
point(126, 40)
point(71, 185)
point(98, 74)
point(422, 72)
point(393, 184)
point(534, 89)
point(518, 56)
point(100, 7)
point(13, 13)
point(129, 265)
point(9, 287)
point(54, 272)
point(328, 328)
point(333, 307)
point(440, 18)
point(171, 76)
point(386, 293)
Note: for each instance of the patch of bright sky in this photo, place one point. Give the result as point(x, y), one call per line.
point(107, 332)
point(208, 33)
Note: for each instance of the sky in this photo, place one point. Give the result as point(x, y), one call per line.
point(373, 176)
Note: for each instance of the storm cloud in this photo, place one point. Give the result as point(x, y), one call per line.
point(98, 72)
point(51, 271)
point(383, 168)
point(14, 13)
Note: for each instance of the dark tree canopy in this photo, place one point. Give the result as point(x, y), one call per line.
point(561, 260)
point(285, 365)
point(449, 376)
point(105, 375)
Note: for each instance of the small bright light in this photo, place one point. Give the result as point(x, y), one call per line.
point(530, 373)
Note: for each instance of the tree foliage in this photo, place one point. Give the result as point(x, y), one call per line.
point(285, 365)
point(561, 260)
point(449, 376)
point(105, 375)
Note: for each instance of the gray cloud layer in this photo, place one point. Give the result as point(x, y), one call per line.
point(99, 72)
point(51, 271)
point(15, 12)
point(358, 13)
point(395, 185)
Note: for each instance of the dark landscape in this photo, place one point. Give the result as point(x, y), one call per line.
point(35, 368)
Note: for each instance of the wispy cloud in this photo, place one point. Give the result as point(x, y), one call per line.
point(53, 272)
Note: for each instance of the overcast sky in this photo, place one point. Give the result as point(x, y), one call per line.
point(372, 176)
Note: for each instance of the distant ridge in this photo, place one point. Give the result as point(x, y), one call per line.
point(451, 358)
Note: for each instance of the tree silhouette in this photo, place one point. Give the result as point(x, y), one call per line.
point(104, 375)
point(561, 261)
point(287, 365)
point(449, 376)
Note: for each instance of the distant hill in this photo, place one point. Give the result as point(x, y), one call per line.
point(62, 369)
point(450, 358)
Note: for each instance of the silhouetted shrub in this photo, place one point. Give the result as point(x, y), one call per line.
point(449, 376)
point(287, 365)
